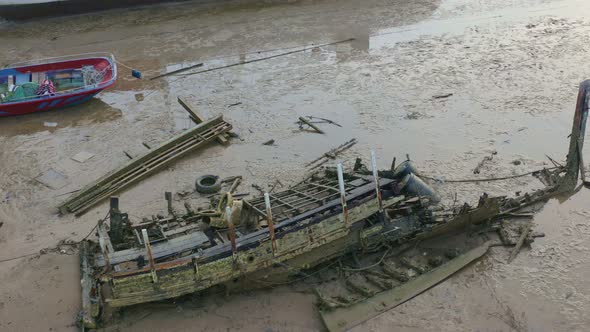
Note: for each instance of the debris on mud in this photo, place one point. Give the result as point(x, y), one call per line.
point(331, 155)
point(443, 96)
point(269, 142)
point(370, 237)
point(305, 122)
point(144, 166)
point(415, 115)
point(485, 159)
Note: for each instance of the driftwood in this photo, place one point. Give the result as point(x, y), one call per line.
point(330, 155)
point(525, 233)
point(142, 167)
point(485, 159)
point(303, 120)
point(198, 119)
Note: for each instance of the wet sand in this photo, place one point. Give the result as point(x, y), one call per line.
point(512, 67)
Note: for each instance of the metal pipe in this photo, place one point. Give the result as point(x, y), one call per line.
point(342, 194)
point(271, 227)
point(376, 179)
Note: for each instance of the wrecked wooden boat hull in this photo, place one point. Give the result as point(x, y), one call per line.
point(287, 233)
point(325, 228)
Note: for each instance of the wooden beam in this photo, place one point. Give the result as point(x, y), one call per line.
point(311, 125)
point(197, 118)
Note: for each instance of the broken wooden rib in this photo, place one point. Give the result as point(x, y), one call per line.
point(142, 167)
point(90, 301)
point(342, 319)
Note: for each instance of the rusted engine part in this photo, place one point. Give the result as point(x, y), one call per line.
point(142, 167)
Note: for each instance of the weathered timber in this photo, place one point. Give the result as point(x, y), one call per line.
point(140, 168)
point(136, 287)
point(198, 119)
point(332, 154)
point(574, 156)
point(178, 71)
point(235, 185)
point(490, 208)
point(525, 233)
point(90, 304)
point(311, 125)
point(159, 250)
point(342, 319)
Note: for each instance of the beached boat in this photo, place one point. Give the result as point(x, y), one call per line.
point(29, 9)
point(46, 84)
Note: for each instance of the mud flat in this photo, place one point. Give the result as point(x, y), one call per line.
point(512, 67)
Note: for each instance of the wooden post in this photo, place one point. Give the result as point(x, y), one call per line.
point(342, 194)
point(271, 227)
point(376, 179)
point(569, 181)
point(148, 248)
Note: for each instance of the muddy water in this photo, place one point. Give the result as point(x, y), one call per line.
point(512, 68)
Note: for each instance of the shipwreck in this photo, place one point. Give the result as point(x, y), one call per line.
point(384, 217)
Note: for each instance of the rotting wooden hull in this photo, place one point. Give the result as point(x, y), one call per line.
point(312, 237)
point(187, 276)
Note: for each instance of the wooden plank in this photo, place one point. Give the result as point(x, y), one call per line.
point(159, 250)
point(307, 122)
point(525, 232)
point(197, 118)
point(342, 319)
point(148, 164)
point(181, 229)
point(89, 305)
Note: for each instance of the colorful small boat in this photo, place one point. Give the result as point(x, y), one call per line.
point(46, 84)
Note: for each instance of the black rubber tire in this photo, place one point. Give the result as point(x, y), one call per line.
point(208, 184)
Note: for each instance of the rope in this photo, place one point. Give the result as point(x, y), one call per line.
point(124, 65)
point(490, 179)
